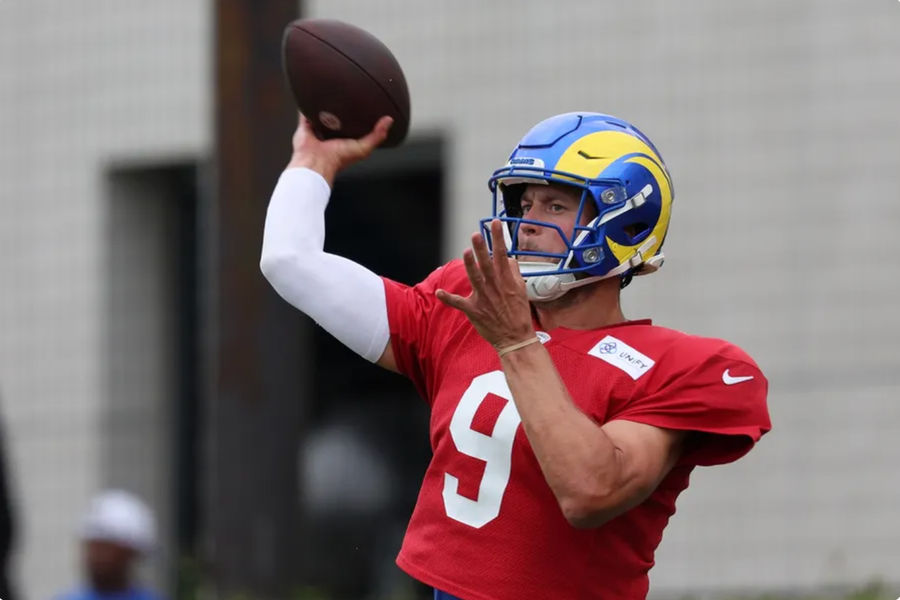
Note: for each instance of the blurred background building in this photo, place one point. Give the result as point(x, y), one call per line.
point(140, 348)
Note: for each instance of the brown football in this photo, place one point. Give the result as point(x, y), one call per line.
point(344, 79)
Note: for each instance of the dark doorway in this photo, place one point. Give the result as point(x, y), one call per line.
point(367, 438)
point(152, 412)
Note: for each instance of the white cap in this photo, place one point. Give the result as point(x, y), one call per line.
point(120, 517)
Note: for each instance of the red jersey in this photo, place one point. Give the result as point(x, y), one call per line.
point(486, 525)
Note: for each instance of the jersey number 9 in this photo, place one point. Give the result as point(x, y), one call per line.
point(495, 450)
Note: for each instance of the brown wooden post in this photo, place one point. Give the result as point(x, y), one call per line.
point(257, 343)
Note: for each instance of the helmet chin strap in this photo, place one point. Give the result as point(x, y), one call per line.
point(543, 288)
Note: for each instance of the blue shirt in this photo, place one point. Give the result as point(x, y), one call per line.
point(135, 593)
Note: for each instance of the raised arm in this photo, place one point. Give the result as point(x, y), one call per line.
point(343, 297)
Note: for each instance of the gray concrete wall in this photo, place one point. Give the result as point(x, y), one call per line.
point(83, 85)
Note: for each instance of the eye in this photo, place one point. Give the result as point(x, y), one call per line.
point(557, 207)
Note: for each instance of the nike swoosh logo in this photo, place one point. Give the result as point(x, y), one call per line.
point(727, 379)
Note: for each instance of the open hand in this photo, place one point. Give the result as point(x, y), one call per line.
point(498, 306)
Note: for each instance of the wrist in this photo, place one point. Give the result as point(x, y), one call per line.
point(313, 163)
point(507, 349)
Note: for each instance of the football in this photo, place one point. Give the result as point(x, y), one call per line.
point(344, 79)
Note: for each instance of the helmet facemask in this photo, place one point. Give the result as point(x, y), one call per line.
point(586, 257)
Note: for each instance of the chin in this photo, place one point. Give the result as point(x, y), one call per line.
point(540, 259)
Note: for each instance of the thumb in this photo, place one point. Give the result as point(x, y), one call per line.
point(352, 150)
point(451, 300)
point(378, 134)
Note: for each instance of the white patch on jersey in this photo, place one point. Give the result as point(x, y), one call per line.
point(543, 336)
point(622, 356)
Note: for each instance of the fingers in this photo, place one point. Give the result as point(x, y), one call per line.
point(476, 277)
point(498, 270)
point(513, 265)
point(479, 247)
point(305, 125)
point(379, 133)
point(303, 137)
point(501, 258)
point(505, 266)
point(381, 129)
point(451, 300)
point(330, 156)
point(497, 240)
point(363, 145)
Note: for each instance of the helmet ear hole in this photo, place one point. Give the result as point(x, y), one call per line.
point(637, 231)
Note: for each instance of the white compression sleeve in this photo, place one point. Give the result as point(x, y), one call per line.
point(343, 297)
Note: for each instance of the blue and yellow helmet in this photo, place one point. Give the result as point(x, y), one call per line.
point(618, 169)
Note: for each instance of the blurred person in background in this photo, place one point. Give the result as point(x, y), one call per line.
point(118, 530)
point(562, 432)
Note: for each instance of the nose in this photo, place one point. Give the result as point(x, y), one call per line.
point(528, 228)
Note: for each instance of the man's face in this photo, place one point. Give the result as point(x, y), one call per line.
point(108, 564)
point(555, 204)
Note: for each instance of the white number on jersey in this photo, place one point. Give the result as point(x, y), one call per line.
point(495, 450)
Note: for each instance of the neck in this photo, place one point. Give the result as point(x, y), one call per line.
point(589, 307)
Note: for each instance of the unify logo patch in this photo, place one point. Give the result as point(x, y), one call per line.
point(622, 356)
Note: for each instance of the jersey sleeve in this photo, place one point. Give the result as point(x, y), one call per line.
point(720, 397)
point(412, 320)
